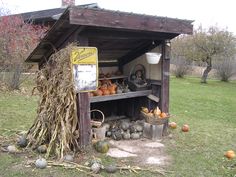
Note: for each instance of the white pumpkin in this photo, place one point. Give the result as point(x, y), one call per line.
point(68, 158)
point(96, 167)
point(12, 149)
point(41, 163)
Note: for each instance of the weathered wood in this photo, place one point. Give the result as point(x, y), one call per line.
point(140, 50)
point(122, 20)
point(165, 77)
point(112, 34)
point(120, 96)
point(83, 108)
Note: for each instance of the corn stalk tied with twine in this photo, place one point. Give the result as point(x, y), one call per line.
point(56, 123)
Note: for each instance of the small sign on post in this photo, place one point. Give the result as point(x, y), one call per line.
point(84, 62)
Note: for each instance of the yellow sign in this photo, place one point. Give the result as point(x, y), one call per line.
point(84, 62)
point(84, 55)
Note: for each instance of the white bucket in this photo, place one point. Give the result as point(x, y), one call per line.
point(99, 133)
point(153, 58)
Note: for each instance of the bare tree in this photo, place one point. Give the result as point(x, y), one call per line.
point(205, 45)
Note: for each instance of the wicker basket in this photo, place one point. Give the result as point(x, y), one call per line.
point(153, 119)
point(95, 122)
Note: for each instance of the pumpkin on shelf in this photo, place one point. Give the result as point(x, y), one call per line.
point(98, 92)
point(106, 92)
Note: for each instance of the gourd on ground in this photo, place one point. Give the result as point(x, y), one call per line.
point(101, 146)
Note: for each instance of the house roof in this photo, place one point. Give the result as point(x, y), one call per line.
point(117, 35)
point(49, 13)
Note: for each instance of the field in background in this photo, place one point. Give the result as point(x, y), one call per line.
point(209, 109)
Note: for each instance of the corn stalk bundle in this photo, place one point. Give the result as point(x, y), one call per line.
point(56, 124)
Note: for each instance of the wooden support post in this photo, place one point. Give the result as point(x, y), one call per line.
point(83, 110)
point(165, 77)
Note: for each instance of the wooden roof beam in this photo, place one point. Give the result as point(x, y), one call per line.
point(128, 21)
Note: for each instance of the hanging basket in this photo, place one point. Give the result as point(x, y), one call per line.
point(96, 122)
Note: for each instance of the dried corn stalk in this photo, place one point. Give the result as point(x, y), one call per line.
point(56, 123)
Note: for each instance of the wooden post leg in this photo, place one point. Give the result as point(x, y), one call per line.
point(165, 76)
point(83, 112)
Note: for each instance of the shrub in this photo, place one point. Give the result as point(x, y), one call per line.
point(225, 68)
point(181, 66)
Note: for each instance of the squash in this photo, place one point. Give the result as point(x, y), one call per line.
point(68, 158)
point(101, 146)
point(157, 112)
point(145, 110)
point(116, 135)
point(163, 115)
point(42, 149)
point(135, 136)
point(96, 167)
point(12, 149)
point(126, 135)
point(230, 154)
point(22, 141)
point(41, 163)
point(111, 168)
point(112, 92)
point(119, 91)
point(138, 127)
point(106, 92)
point(173, 125)
point(185, 128)
point(108, 133)
point(124, 125)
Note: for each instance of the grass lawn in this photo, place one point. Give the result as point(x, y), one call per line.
point(209, 110)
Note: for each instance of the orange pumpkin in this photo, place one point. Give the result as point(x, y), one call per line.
point(103, 87)
point(230, 154)
point(106, 92)
point(112, 92)
point(173, 125)
point(185, 128)
point(163, 115)
point(98, 92)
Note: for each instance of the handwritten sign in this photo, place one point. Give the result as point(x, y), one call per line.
point(85, 68)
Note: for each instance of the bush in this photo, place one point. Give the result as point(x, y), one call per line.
point(181, 67)
point(225, 68)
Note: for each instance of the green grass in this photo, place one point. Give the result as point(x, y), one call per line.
point(209, 110)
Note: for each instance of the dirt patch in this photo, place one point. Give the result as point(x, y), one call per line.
point(143, 151)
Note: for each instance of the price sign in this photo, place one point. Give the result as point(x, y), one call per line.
point(85, 68)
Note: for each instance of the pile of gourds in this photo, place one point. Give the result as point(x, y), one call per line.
point(105, 87)
point(157, 113)
point(125, 130)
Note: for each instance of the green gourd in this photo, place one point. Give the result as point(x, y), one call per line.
point(101, 146)
point(22, 141)
point(111, 169)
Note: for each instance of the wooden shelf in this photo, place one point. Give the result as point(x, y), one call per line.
point(120, 96)
point(113, 77)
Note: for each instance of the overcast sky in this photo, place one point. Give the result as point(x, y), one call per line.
point(205, 12)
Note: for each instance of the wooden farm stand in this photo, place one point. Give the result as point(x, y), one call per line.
point(122, 40)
